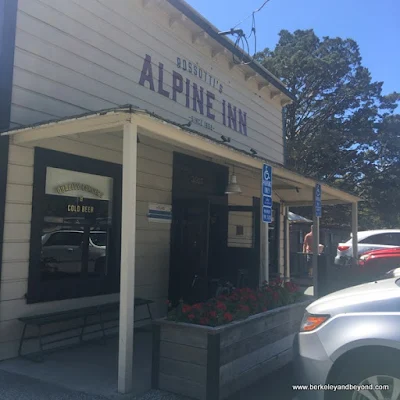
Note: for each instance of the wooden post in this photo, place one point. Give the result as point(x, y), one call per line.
point(264, 267)
point(128, 238)
point(266, 253)
point(315, 247)
point(213, 366)
point(354, 228)
point(287, 244)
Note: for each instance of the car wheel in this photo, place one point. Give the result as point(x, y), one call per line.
point(371, 380)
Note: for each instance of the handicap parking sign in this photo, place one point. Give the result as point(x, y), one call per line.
point(267, 173)
point(267, 201)
point(267, 193)
point(267, 215)
point(317, 201)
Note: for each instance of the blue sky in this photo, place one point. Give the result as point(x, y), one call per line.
point(374, 24)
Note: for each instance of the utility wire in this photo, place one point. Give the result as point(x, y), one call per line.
point(252, 14)
point(242, 38)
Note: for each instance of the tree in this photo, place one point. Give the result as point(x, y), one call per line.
point(338, 129)
point(381, 186)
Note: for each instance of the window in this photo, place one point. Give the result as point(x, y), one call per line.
point(99, 238)
point(64, 239)
point(75, 232)
point(394, 239)
point(383, 239)
point(244, 236)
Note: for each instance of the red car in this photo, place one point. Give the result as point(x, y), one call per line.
point(376, 263)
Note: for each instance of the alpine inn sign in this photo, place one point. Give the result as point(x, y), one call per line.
point(193, 95)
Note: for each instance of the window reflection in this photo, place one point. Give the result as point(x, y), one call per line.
point(76, 233)
point(66, 252)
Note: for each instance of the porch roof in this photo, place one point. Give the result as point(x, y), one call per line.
point(290, 187)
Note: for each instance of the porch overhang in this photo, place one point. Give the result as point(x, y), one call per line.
point(291, 188)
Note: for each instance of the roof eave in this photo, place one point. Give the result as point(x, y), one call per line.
point(207, 27)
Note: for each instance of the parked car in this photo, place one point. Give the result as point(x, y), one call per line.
point(376, 263)
point(62, 251)
point(394, 273)
point(351, 337)
point(367, 241)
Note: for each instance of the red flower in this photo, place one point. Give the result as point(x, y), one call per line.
point(244, 307)
point(275, 296)
point(252, 297)
point(197, 306)
point(213, 314)
point(186, 308)
point(221, 306)
point(204, 321)
point(228, 317)
point(265, 309)
point(191, 317)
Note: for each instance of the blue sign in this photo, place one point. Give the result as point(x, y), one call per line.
point(267, 190)
point(267, 214)
point(267, 193)
point(317, 201)
point(267, 201)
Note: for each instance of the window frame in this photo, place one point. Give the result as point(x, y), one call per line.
point(42, 291)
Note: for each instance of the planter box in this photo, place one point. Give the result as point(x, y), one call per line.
point(208, 363)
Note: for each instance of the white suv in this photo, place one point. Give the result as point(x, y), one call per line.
point(367, 240)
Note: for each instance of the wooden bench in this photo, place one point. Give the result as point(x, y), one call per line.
point(64, 316)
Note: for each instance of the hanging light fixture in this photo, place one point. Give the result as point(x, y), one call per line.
point(233, 187)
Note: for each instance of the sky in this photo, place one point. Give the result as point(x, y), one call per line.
point(373, 24)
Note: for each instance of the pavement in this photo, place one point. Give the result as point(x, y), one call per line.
point(14, 386)
point(276, 386)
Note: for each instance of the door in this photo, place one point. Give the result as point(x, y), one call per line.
point(189, 246)
point(242, 264)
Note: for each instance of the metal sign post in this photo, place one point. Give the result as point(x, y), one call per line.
point(315, 245)
point(266, 213)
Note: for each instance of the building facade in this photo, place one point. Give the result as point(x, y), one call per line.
point(198, 116)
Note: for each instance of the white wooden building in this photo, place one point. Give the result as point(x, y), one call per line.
point(111, 115)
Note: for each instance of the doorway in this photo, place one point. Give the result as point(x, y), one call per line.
point(203, 230)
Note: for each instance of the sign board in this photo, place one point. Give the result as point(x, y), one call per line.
point(68, 183)
point(161, 213)
point(267, 194)
point(317, 201)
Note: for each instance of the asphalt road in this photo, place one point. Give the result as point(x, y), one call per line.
point(276, 386)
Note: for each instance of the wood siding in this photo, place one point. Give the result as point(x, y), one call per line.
point(72, 57)
point(152, 255)
point(153, 239)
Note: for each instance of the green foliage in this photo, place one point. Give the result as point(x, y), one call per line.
point(341, 130)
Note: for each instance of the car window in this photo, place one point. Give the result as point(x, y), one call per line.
point(65, 239)
point(381, 238)
point(99, 238)
point(394, 239)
